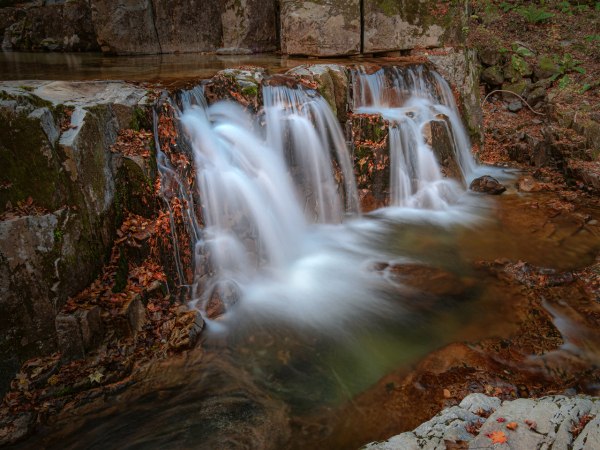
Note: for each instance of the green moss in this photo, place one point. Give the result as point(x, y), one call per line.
point(139, 120)
point(546, 64)
point(251, 91)
point(69, 390)
point(6, 97)
point(27, 88)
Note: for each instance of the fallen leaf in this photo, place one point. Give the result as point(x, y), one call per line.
point(447, 393)
point(498, 437)
point(512, 426)
point(456, 445)
point(531, 423)
point(96, 376)
point(501, 419)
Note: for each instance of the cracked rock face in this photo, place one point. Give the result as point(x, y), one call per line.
point(320, 28)
point(550, 421)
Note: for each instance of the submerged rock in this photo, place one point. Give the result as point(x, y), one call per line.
point(528, 184)
point(487, 185)
point(234, 51)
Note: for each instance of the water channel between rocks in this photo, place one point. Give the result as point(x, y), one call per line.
point(306, 348)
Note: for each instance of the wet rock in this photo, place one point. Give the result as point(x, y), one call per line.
point(188, 327)
point(515, 106)
point(371, 155)
point(394, 26)
point(528, 184)
point(243, 86)
point(333, 82)
point(461, 70)
point(438, 135)
point(320, 29)
point(490, 56)
point(487, 185)
point(493, 76)
point(544, 68)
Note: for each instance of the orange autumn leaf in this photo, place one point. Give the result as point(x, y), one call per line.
point(512, 426)
point(498, 437)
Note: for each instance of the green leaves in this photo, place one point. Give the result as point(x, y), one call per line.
point(534, 15)
point(563, 82)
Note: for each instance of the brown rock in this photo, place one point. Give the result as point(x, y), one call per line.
point(320, 29)
point(131, 318)
point(487, 185)
point(186, 331)
point(528, 184)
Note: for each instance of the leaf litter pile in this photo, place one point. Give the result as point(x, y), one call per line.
point(133, 143)
point(22, 209)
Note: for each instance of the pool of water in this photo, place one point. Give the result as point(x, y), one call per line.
point(171, 70)
point(241, 385)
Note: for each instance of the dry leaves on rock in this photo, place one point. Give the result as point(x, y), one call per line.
point(498, 437)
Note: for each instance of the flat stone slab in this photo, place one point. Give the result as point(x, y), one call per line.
point(543, 423)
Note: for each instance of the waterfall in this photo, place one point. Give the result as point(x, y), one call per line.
point(303, 121)
point(409, 98)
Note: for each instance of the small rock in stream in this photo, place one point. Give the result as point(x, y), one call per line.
point(528, 184)
point(487, 185)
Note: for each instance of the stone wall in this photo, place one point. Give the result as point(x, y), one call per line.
point(298, 27)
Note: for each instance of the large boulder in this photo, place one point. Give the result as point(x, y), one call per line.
point(125, 27)
point(188, 26)
point(66, 26)
point(544, 68)
point(320, 28)
point(403, 25)
point(70, 175)
point(493, 76)
point(250, 24)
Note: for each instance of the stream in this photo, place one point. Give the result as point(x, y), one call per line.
point(330, 301)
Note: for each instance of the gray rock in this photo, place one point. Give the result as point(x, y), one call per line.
point(515, 106)
point(536, 95)
point(475, 401)
point(553, 416)
point(48, 122)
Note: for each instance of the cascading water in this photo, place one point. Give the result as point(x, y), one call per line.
point(274, 190)
point(410, 98)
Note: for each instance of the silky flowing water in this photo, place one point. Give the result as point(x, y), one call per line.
point(319, 318)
